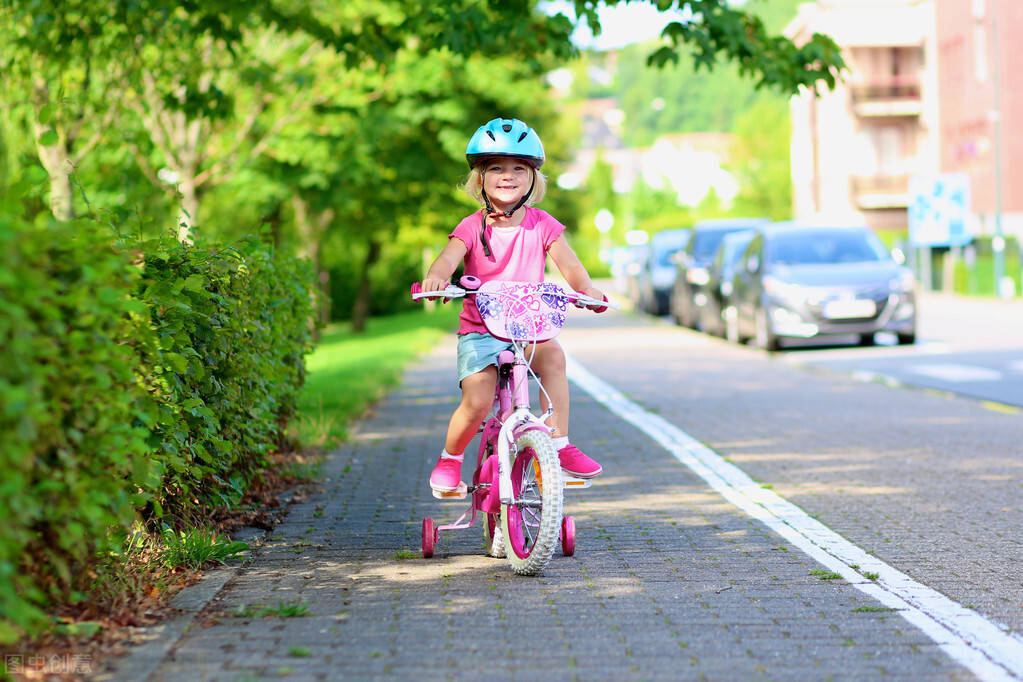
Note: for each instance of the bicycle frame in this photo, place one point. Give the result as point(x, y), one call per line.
point(515, 417)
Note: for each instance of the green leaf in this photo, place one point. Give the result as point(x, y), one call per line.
point(177, 362)
point(49, 138)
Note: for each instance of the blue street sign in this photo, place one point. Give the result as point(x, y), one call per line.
point(938, 208)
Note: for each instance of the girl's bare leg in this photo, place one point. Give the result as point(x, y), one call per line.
point(477, 399)
point(549, 363)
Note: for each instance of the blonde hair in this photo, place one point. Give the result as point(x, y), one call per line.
point(474, 186)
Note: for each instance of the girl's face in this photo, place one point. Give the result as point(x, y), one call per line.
point(505, 180)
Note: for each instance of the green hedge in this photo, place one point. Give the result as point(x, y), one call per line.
point(153, 380)
point(68, 399)
point(224, 347)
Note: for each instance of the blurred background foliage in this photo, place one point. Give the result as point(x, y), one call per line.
point(341, 126)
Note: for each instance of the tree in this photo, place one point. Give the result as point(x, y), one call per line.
point(718, 32)
point(760, 160)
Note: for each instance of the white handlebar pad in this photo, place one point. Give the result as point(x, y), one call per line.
point(451, 291)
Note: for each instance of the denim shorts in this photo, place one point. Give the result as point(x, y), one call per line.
point(478, 351)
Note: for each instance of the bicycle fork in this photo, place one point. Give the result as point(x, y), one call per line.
point(519, 418)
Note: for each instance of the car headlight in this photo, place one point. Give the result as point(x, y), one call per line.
point(782, 290)
point(697, 276)
point(904, 283)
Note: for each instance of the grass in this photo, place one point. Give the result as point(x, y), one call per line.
point(348, 371)
point(198, 547)
point(289, 609)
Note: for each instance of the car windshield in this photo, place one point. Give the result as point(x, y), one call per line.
point(820, 247)
point(734, 246)
point(667, 244)
point(705, 242)
point(664, 257)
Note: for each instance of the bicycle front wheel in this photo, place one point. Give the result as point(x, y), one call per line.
point(532, 522)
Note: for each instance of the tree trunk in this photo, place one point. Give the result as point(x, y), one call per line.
point(52, 147)
point(274, 220)
point(311, 229)
point(189, 208)
point(360, 310)
point(62, 194)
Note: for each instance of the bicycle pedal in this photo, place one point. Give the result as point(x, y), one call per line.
point(572, 483)
point(460, 494)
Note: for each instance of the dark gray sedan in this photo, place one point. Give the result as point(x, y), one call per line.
point(798, 280)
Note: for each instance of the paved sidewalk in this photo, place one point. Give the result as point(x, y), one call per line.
point(668, 581)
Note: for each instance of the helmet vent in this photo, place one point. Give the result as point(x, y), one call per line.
point(523, 136)
point(492, 136)
point(507, 128)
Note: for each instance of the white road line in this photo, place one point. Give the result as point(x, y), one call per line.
point(975, 642)
point(956, 373)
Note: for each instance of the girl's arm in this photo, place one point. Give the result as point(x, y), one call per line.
point(439, 274)
point(571, 269)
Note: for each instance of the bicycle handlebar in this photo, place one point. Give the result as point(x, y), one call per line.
point(470, 284)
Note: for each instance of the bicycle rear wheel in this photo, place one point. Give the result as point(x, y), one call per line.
point(532, 523)
point(493, 536)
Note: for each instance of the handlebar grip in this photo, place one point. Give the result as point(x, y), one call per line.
point(416, 288)
point(604, 308)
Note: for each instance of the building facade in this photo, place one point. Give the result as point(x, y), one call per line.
point(931, 85)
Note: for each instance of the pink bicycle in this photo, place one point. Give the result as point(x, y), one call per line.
point(518, 483)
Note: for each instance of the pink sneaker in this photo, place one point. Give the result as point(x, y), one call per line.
point(577, 464)
point(447, 475)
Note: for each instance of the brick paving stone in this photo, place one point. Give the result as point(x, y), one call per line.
point(669, 582)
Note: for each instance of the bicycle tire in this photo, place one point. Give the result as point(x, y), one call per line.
point(531, 533)
point(493, 536)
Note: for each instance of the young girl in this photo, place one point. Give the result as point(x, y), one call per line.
point(508, 240)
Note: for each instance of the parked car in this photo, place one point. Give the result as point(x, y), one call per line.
point(658, 273)
point(626, 264)
point(719, 282)
point(799, 280)
point(688, 293)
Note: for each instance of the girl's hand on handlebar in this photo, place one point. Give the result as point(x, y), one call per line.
point(434, 284)
point(594, 293)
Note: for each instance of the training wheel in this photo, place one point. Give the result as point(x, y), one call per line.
point(567, 535)
point(429, 536)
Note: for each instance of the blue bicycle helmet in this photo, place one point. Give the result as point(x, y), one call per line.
point(505, 137)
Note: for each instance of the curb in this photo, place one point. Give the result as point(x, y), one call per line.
point(152, 644)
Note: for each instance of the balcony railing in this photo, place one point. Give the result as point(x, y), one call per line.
point(887, 90)
point(880, 191)
point(895, 96)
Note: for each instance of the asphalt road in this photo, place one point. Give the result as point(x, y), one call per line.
point(971, 347)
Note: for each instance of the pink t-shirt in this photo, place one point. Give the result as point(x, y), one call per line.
point(519, 254)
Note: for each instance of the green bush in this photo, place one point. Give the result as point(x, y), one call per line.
point(68, 398)
point(223, 355)
point(155, 379)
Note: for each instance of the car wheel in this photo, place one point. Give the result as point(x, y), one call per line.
point(732, 326)
point(766, 338)
point(687, 317)
point(867, 340)
point(907, 339)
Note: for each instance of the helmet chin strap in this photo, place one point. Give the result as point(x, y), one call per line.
point(491, 211)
